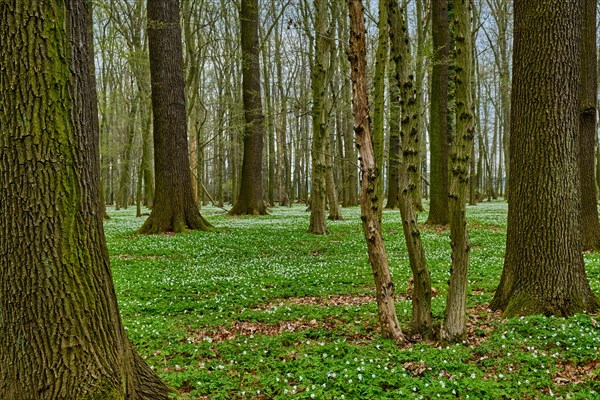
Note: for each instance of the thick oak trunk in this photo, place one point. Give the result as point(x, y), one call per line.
point(62, 336)
point(438, 132)
point(590, 225)
point(250, 201)
point(175, 209)
point(543, 269)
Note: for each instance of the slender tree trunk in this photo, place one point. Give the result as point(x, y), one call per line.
point(438, 136)
point(320, 119)
point(174, 207)
point(394, 150)
point(588, 82)
point(351, 194)
point(544, 270)
point(125, 178)
point(371, 223)
point(62, 335)
point(335, 213)
point(422, 319)
point(455, 320)
point(147, 157)
point(270, 100)
point(281, 126)
point(420, 68)
point(378, 123)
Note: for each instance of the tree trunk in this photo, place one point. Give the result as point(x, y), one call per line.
point(147, 156)
point(371, 223)
point(351, 192)
point(420, 68)
point(125, 178)
point(422, 319)
point(378, 123)
point(394, 139)
point(544, 270)
point(438, 133)
point(281, 126)
point(588, 83)
point(174, 207)
point(455, 320)
point(270, 100)
point(320, 119)
point(250, 201)
point(62, 336)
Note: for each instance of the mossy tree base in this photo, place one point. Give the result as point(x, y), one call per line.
point(61, 332)
point(247, 209)
point(161, 221)
point(524, 302)
point(544, 271)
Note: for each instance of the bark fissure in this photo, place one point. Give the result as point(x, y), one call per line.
point(62, 335)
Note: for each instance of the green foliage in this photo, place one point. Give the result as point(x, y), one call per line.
point(263, 309)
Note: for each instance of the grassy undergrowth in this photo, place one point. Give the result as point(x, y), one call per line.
point(261, 309)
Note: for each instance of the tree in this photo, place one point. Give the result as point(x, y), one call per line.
point(250, 201)
point(320, 118)
point(350, 158)
point(543, 269)
point(422, 319)
point(455, 320)
point(590, 225)
point(371, 222)
point(62, 336)
point(438, 132)
point(174, 206)
point(381, 64)
point(500, 10)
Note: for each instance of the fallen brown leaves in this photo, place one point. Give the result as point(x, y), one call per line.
point(334, 300)
point(568, 373)
point(480, 323)
point(244, 328)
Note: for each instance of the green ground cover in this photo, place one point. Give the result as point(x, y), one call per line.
point(261, 309)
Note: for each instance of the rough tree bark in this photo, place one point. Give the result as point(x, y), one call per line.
point(394, 155)
point(588, 83)
point(62, 336)
point(174, 207)
point(381, 64)
point(422, 318)
point(371, 224)
point(543, 269)
point(438, 132)
point(335, 213)
point(320, 119)
point(250, 201)
point(350, 184)
point(455, 319)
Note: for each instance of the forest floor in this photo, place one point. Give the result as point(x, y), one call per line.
point(262, 309)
